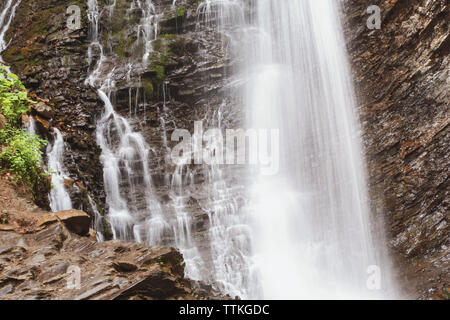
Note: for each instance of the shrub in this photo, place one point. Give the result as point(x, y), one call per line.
point(20, 150)
point(22, 154)
point(14, 101)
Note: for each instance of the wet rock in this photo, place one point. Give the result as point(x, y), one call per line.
point(43, 110)
point(68, 183)
point(124, 266)
point(40, 275)
point(401, 76)
point(42, 124)
point(76, 221)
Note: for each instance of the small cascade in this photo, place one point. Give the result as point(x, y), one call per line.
point(182, 180)
point(133, 211)
point(162, 120)
point(30, 126)
point(230, 238)
point(6, 17)
point(59, 197)
point(221, 14)
point(229, 233)
point(147, 28)
point(98, 220)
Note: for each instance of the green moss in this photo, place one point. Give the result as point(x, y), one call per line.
point(148, 87)
point(159, 70)
point(181, 11)
point(107, 232)
point(20, 151)
point(158, 45)
point(169, 36)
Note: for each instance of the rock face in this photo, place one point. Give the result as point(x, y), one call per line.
point(41, 258)
point(75, 221)
point(51, 61)
point(183, 83)
point(47, 264)
point(402, 74)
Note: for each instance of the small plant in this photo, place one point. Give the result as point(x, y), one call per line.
point(181, 11)
point(22, 154)
point(14, 101)
point(20, 150)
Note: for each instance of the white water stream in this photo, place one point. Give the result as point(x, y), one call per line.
point(313, 236)
point(59, 197)
point(6, 17)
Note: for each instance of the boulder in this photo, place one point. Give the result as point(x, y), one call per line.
point(43, 110)
point(3, 122)
point(75, 220)
point(124, 266)
point(42, 124)
point(68, 183)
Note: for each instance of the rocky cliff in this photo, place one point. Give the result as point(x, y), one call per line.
point(402, 78)
point(56, 256)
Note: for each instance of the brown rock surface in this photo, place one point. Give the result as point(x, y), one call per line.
point(43, 110)
point(75, 220)
point(40, 258)
point(402, 78)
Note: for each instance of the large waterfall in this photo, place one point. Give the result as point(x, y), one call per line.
point(305, 231)
point(302, 231)
point(311, 220)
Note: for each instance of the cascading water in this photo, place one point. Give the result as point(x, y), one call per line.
point(125, 157)
point(305, 232)
point(311, 220)
point(148, 26)
point(59, 197)
point(6, 17)
point(30, 126)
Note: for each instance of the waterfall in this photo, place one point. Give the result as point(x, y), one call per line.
point(125, 157)
point(59, 197)
point(5, 21)
point(311, 221)
point(148, 25)
point(30, 126)
point(304, 232)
